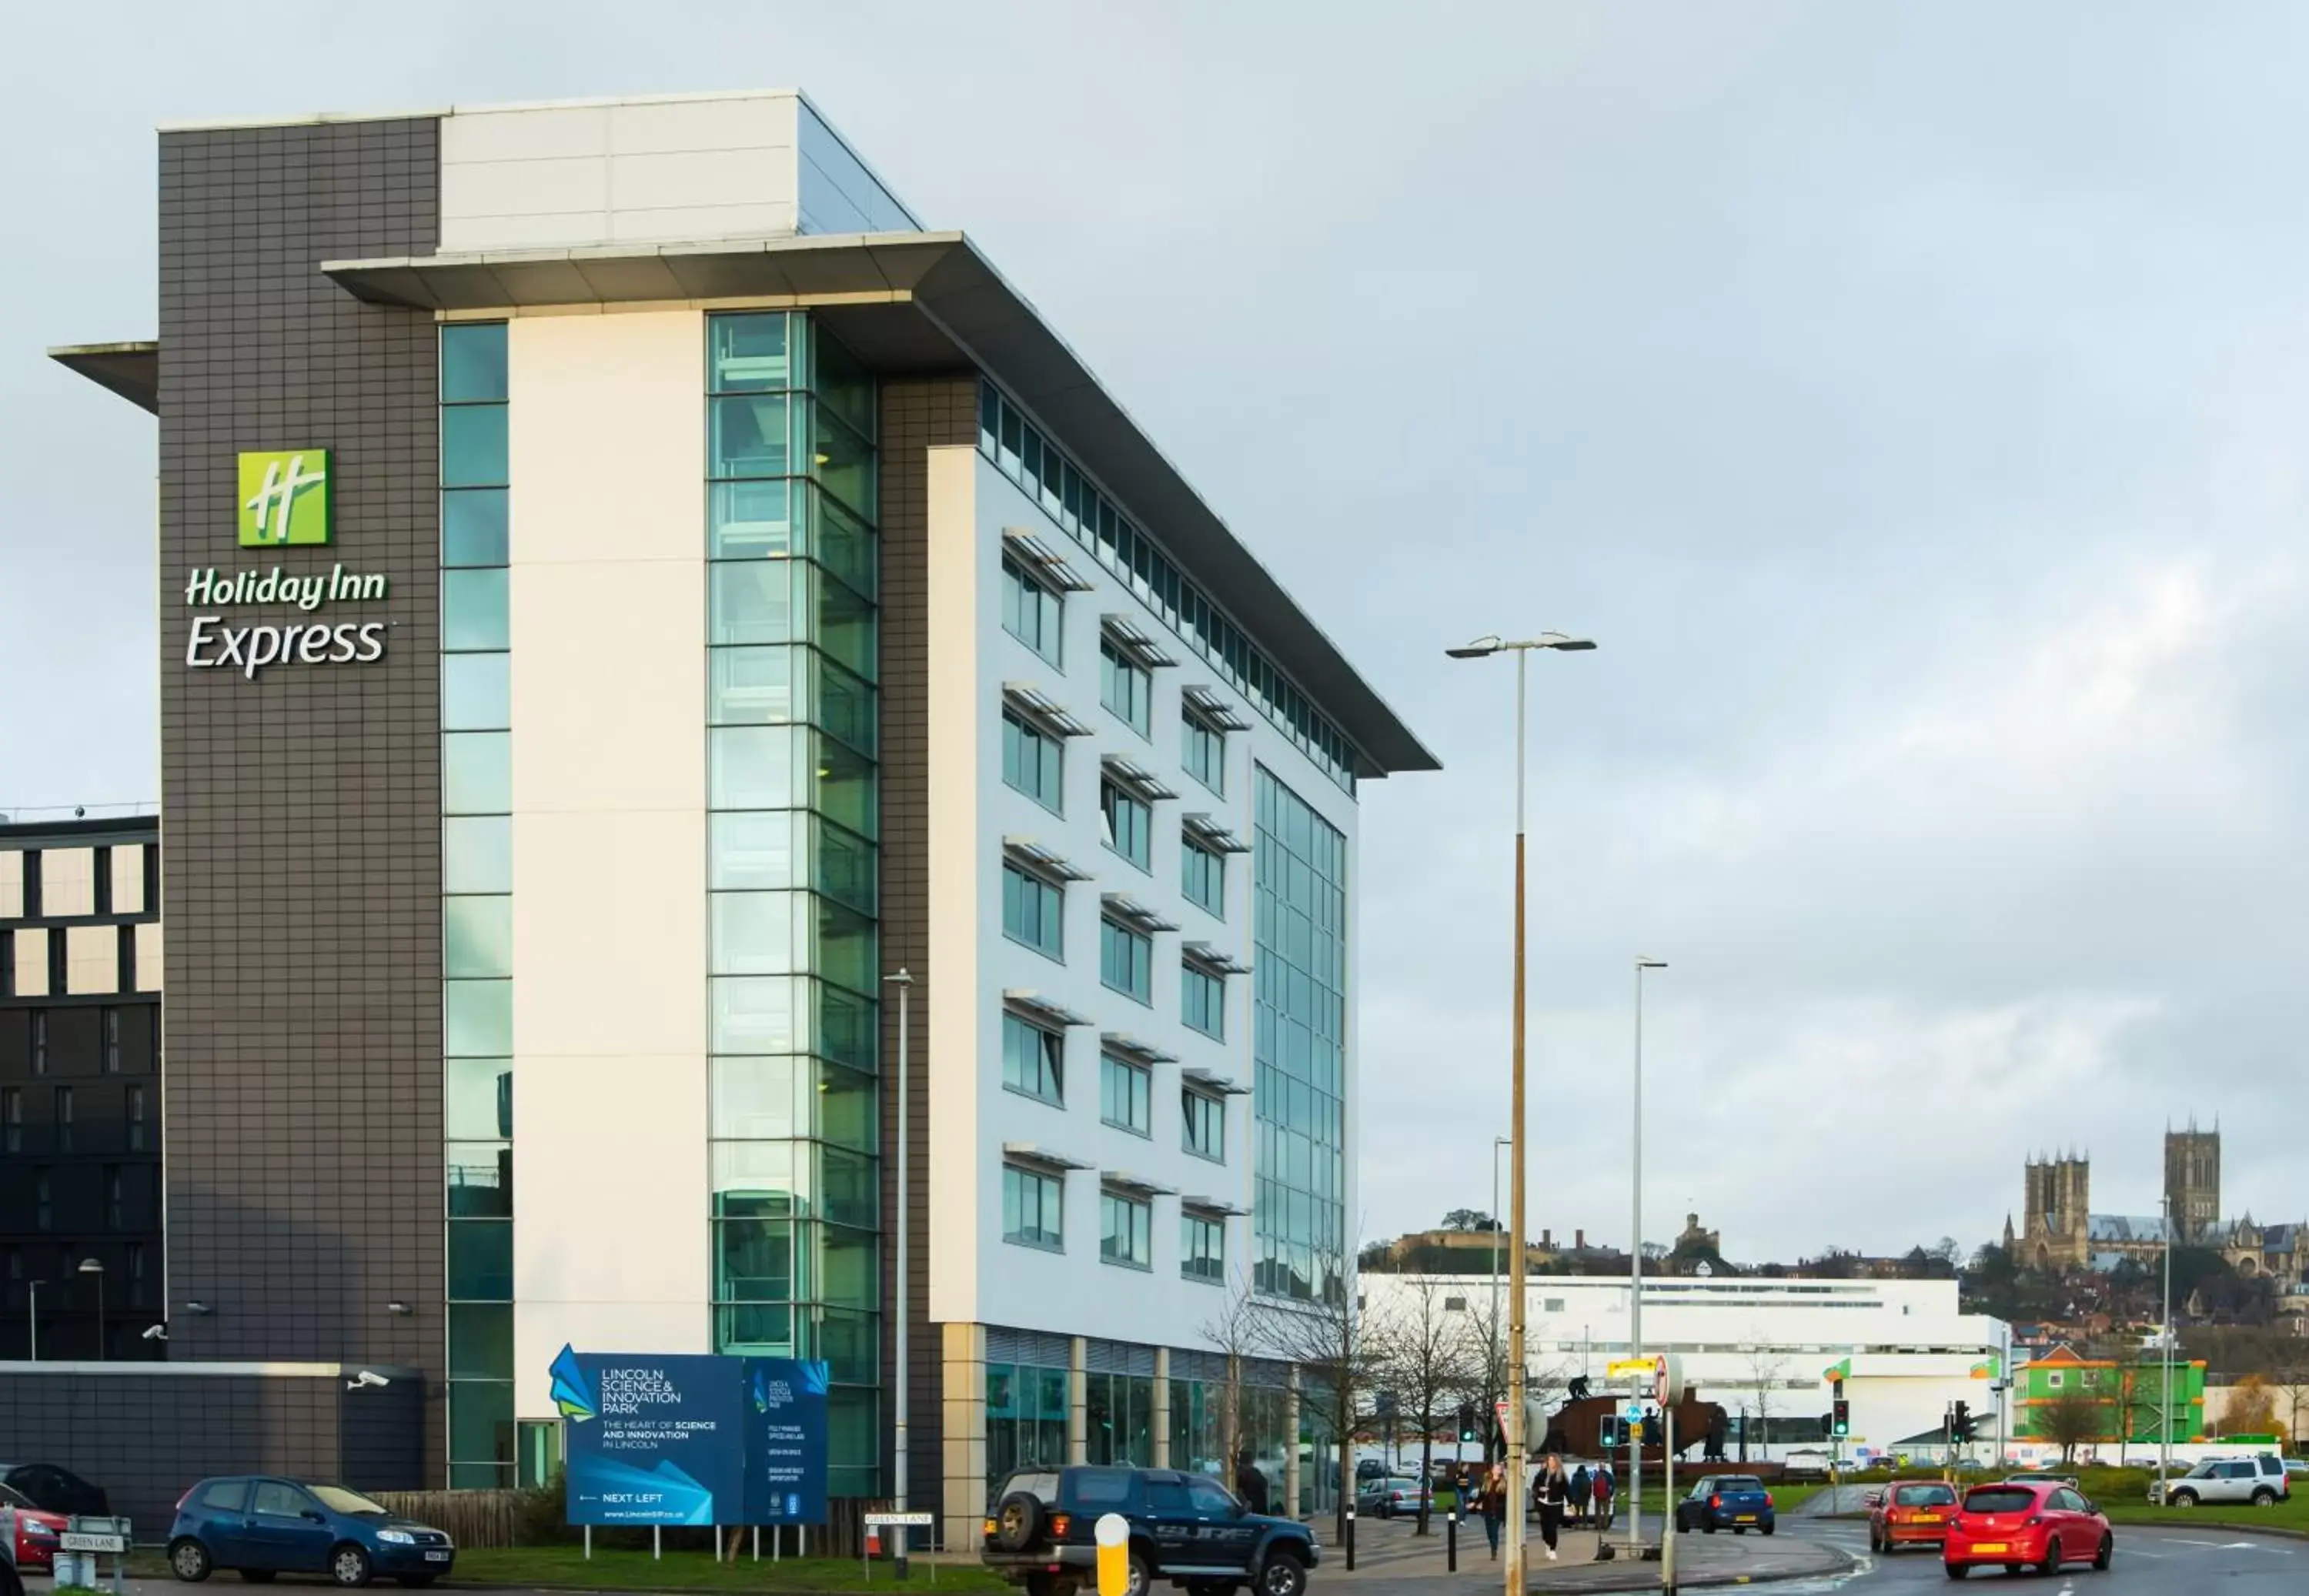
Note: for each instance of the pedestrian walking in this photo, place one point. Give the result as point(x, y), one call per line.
point(1604, 1486)
point(1492, 1502)
point(1583, 1495)
point(1549, 1493)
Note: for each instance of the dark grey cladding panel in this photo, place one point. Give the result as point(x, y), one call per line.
point(302, 1012)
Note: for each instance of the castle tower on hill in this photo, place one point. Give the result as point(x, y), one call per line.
point(2193, 1181)
point(2055, 1233)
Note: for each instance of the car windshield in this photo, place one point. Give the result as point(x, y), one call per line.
point(336, 1498)
point(1924, 1496)
point(2000, 1498)
point(2208, 1469)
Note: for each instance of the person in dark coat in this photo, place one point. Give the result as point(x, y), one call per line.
point(1583, 1496)
point(1551, 1491)
point(1250, 1484)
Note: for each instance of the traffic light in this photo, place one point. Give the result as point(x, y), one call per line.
point(1607, 1433)
point(1960, 1423)
point(1467, 1421)
point(1840, 1419)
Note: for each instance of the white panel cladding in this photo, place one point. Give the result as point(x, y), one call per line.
point(745, 165)
point(608, 604)
point(1075, 1292)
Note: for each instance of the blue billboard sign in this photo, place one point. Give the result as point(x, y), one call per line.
point(691, 1438)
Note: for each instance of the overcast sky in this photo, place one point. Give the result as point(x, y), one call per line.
point(1908, 397)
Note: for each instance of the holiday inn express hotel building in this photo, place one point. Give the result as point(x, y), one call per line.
point(626, 589)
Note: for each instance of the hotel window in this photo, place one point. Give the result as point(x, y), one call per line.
point(116, 1205)
point(1125, 688)
point(1125, 1094)
point(1031, 612)
point(1202, 749)
point(44, 1209)
point(39, 1041)
point(1202, 1247)
point(1128, 822)
point(1034, 1060)
point(1202, 999)
point(1205, 1117)
point(134, 1110)
point(1125, 961)
point(12, 1119)
point(1032, 1209)
point(65, 1119)
point(1202, 877)
point(138, 1289)
point(1125, 1231)
point(112, 1041)
point(1031, 910)
point(1034, 762)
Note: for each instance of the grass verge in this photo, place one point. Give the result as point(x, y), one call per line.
point(530, 1566)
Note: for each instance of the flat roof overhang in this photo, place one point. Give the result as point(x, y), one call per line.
point(927, 302)
point(131, 369)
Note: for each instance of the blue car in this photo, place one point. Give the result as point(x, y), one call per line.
point(263, 1526)
point(1735, 1501)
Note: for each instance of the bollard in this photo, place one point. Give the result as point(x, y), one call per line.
point(1351, 1540)
point(1452, 1542)
point(1113, 1555)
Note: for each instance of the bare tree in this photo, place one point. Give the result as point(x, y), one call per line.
point(1323, 1338)
point(1766, 1368)
point(1237, 1331)
point(2069, 1420)
point(1429, 1355)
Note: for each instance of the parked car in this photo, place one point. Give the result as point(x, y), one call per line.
point(2259, 1481)
point(2296, 1468)
point(2040, 1477)
point(1805, 1462)
point(1735, 1501)
point(1372, 1468)
point(36, 1530)
point(2026, 1524)
point(263, 1526)
point(1385, 1498)
point(1187, 1529)
point(1909, 1513)
point(54, 1489)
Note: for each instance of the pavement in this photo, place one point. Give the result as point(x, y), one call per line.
point(1390, 1560)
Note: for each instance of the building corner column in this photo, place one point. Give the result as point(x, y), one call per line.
point(962, 1432)
point(1161, 1420)
point(1078, 1400)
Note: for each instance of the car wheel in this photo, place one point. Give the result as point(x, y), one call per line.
point(1017, 1519)
point(1956, 1570)
point(2106, 1550)
point(257, 1576)
point(189, 1561)
point(1767, 1526)
point(2049, 1565)
point(1707, 1526)
point(2185, 1498)
point(1283, 1575)
point(2264, 1497)
point(1142, 1576)
point(349, 1566)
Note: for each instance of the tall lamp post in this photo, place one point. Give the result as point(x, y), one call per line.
point(1635, 1255)
point(1483, 648)
point(2165, 1380)
point(905, 981)
point(90, 1266)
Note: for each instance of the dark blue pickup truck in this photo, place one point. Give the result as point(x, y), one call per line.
point(1187, 1529)
point(1735, 1501)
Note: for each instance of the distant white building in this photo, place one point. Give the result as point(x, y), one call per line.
point(1761, 1349)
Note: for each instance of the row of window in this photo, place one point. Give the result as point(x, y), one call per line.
point(79, 961)
point(1034, 762)
point(1033, 613)
point(1034, 1065)
point(24, 1272)
point(63, 1129)
point(64, 882)
point(1019, 450)
point(1033, 913)
point(1034, 1214)
point(118, 1215)
point(122, 1048)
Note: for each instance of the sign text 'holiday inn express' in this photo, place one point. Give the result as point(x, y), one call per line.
point(283, 503)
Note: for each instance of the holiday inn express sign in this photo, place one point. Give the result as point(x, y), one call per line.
point(284, 501)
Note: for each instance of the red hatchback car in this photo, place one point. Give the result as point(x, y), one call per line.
point(1909, 1513)
point(2026, 1524)
point(36, 1532)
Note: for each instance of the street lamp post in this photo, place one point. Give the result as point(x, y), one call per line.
point(1494, 1337)
point(1518, 1447)
point(1636, 1256)
point(905, 981)
point(90, 1266)
point(2165, 1380)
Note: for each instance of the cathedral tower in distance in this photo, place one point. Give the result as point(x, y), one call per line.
point(2056, 1232)
point(2193, 1181)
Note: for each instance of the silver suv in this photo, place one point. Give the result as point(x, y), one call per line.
point(2259, 1482)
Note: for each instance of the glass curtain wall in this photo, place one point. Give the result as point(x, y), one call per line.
point(1299, 1011)
point(476, 902)
point(792, 561)
point(1025, 1418)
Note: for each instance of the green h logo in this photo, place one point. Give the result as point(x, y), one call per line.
point(284, 498)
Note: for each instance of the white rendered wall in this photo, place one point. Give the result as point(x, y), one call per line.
point(607, 599)
point(988, 1280)
point(640, 171)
